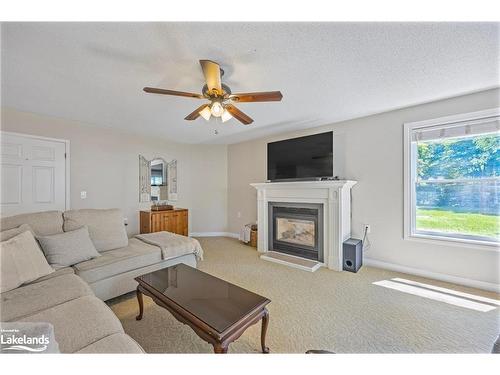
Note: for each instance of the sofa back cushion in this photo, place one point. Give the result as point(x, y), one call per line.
point(21, 261)
point(9, 233)
point(105, 226)
point(68, 248)
point(42, 223)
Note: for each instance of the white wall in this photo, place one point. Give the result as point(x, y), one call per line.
point(105, 163)
point(373, 155)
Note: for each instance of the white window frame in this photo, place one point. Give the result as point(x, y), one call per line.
point(409, 182)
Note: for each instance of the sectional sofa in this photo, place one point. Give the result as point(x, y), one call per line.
point(71, 298)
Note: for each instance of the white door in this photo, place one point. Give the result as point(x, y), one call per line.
point(33, 174)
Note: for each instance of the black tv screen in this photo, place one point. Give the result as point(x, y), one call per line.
point(301, 158)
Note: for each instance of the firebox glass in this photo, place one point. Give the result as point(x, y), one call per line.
point(296, 231)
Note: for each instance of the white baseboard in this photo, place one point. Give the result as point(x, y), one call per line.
point(214, 234)
point(433, 275)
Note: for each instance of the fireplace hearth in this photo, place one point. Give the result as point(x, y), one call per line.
point(296, 229)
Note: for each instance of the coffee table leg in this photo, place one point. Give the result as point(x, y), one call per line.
point(220, 349)
point(265, 322)
point(141, 304)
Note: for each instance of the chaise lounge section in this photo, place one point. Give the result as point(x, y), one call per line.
point(81, 321)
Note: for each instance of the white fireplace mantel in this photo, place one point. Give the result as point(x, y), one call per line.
point(333, 195)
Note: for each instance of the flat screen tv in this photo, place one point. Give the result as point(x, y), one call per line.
point(302, 158)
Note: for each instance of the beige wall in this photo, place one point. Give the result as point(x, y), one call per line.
point(105, 163)
point(370, 150)
point(214, 180)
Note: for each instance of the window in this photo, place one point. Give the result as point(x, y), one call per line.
point(156, 180)
point(452, 178)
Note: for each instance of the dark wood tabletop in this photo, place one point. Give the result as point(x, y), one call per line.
point(218, 311)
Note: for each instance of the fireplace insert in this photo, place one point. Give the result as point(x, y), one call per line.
point(296, 229)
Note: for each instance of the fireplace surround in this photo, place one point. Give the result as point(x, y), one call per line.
point(335, 198)
point(296, 229)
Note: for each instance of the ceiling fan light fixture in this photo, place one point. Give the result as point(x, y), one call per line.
point(226, 116)
point(219, 98)
point(205, 113)
point(216, 109)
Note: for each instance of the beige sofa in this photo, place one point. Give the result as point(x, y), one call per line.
point(71, 298)
point(112, 274)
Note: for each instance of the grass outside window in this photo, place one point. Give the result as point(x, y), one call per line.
point(443, 221)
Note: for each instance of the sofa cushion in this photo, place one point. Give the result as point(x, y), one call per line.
point(33, 298)
point(136, 255)
point(21, 261)
point(42, 223)
point(68, 248)
point(79, 322)
point(117, 343)
point(9, 233)
point(56, 273)
point(105, 226)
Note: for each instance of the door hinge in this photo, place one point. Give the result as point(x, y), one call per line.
point(64, 155)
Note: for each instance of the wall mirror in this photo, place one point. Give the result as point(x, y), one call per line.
point(154, 180)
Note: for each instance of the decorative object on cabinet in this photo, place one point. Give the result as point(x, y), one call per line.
point(175, 221)
point(161, 206)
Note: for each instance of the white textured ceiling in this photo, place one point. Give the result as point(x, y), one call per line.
point(327, 72)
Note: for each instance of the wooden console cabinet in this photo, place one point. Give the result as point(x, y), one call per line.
point(175, 221)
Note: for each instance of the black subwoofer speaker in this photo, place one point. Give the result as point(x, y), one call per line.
point(353, 255)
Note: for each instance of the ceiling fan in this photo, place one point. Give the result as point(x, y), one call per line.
point(220, 96)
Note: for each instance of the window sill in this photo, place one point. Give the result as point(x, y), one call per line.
point(454, 241)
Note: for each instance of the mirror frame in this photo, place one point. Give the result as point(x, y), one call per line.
point(145, 177)
point(144, 180)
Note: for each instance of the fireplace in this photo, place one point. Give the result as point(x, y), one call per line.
point(296, 229)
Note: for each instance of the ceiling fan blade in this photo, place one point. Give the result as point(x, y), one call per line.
point(196, 113)
point(211, 71)
point(153, 90)
point(266, 96)
point(238, 115)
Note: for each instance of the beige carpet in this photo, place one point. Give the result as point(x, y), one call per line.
point(341, 312)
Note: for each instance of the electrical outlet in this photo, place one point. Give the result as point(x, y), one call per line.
point(83, 194)
point(367, 228)
point(238, 215)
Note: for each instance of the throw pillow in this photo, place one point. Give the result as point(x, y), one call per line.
point(21, 261)
point(68, 248)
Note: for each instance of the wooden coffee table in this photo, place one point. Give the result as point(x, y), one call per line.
point(217, 311)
